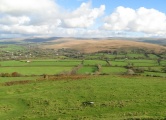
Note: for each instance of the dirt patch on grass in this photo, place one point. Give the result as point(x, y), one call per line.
point(10, 83)
point(63, 77)
point(48, 78)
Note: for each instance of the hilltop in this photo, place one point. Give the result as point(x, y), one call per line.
point(92, 45)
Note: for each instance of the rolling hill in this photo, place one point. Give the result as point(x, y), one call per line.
point(91, 45)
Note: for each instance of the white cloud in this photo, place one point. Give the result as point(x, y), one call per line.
point(10, 20)
point(44, 17)
point(28, 16)
point(149, 21)
point(47, 18)
point(39, 12)
point(30, 7)
point(82, 17)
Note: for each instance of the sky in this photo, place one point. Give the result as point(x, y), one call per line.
point(82, 18)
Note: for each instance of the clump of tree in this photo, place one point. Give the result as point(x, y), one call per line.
point(13, 74)
point(138, 70)
point(159, 61)
point(5, 75)
point(146, 55)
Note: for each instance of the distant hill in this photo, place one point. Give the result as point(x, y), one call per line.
point(36, 40)
point(27, 40)
point(160, 41)
point(92, 45)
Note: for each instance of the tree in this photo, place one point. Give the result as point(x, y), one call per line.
point(5, 75)
point(115, 53)
point(159, 61)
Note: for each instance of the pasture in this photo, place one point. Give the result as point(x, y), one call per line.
point(93, 87)
point(32, 70)
point(57, 66)
point(114, 97)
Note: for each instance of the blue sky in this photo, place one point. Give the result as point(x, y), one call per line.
point(112, 4)
point(82, 18)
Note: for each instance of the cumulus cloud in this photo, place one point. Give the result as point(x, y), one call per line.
point(47, 18)
point(149, 21)
point(44, 17)
point(28, 16)
point(82, 17)
point(28, 7)
point(36, 10)
point(87, 33)
point(10, 20)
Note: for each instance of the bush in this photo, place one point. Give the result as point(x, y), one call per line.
point(15, 74)
point(138, 70)
point(130, 72)
point(5, 75)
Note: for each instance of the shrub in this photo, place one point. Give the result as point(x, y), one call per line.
point(45, 76)
point(138, 70)
point(130, 72)
point(15, 74)
point(5, 75)
point(99, 68)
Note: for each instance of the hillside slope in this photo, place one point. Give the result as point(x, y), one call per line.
point(90, 46)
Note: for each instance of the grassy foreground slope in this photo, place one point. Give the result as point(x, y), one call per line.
point(114, 97)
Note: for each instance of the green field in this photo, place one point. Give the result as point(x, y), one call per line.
point(35, 70)
point(114, 97)
point(87, 70)
point(119, 63)
point(113, 70)
point(71, 86)
point(155, 74)
point(94, 62)
point(143, 62)
point(135, 55)
point(40, 63)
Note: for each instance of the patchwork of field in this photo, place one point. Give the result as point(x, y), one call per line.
point(56, 66)
point(100, 86)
